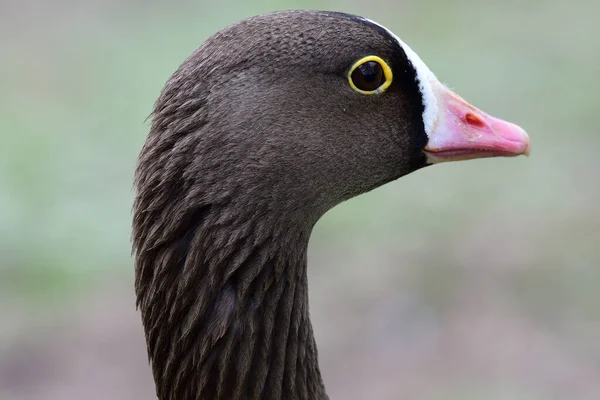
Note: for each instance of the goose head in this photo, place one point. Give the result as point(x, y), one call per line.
point(269, 124)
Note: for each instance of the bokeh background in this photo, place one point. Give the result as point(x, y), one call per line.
point(476, 280)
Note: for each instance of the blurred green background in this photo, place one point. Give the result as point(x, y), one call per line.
point(475, 280)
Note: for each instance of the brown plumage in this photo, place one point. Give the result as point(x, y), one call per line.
point(253, 139)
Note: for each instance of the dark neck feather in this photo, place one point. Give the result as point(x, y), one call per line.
point(224, 302)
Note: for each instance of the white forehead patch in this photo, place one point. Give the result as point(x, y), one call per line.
point(426, 81)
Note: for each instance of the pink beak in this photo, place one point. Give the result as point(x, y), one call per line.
point(463, 132)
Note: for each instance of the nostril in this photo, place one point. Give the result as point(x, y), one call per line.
point(474, 119)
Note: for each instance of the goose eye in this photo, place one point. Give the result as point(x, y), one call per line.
point(370, 75)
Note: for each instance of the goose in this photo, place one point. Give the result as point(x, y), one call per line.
point(269, 124)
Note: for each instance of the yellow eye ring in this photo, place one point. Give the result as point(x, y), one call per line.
point(370, 75)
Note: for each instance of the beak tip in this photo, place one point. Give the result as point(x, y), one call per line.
point(527, 142)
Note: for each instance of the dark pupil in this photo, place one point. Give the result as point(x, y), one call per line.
point(368, 76)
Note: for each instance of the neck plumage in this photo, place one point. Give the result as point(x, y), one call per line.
point(224, 303)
